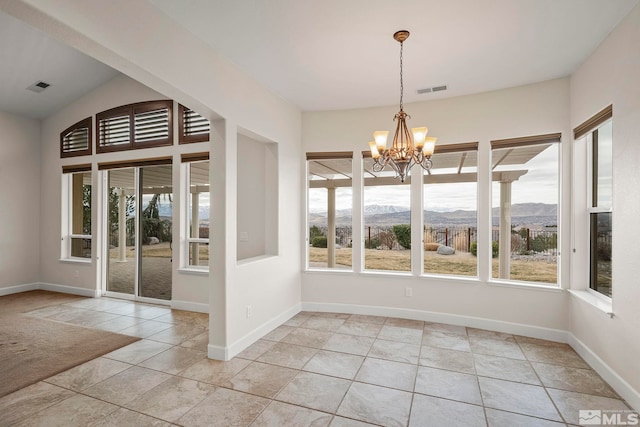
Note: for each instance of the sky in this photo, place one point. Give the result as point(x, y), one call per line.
point(538, 185)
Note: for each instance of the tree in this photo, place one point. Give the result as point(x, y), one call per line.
point(403, 235)
point(152, 225)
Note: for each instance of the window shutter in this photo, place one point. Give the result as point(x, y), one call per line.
point(152, 126)
point(193, 127)
point(115, 131)
point(141, 125)
point(76, 140)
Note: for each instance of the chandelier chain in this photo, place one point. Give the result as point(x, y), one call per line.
point(401, 82)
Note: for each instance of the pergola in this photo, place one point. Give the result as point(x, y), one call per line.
point(452, 164)
point(158, 180)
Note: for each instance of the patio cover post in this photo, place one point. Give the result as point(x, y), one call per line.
point(195, 226)
point(331, 232)
point(122, 227)
point(505, 230)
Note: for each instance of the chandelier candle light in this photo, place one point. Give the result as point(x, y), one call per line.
point(408, 148)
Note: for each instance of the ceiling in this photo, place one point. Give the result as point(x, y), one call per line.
point(340, 54)
point(27, 56)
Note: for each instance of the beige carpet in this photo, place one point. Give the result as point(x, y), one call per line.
point(32, 349)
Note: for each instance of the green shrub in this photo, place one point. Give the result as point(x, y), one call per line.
point(403, 235)
point(372, 243)
point(319, 242)
point(494, 249)
point(315, 231)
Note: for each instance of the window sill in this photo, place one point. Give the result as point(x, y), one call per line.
point(601, 303)
point(320, 270)
point(525, 285)
point(451, 279)
point(194, 271)
point(255, 259)
point(86, 261)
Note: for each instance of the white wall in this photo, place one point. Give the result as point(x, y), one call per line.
point(20, 208)
point(252, 196)
point(207, 82)
point(528, 110)
point(612, 76)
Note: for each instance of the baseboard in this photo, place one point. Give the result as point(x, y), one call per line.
point(452, 319)
point(91, 293)
point(19, 288)
point(227, 353)
point(190, 306)
point(623, 388)
point(218, 353)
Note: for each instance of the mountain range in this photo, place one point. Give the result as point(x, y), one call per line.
point(522, 214)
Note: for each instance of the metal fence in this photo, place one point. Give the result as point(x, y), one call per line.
point(523, 241)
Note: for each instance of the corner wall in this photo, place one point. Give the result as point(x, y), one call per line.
point(527, 110)
point(20, 205)
point(612, 76)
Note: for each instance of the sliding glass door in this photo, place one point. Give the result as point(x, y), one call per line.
point(139, 228)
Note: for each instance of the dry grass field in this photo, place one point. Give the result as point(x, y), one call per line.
point(463, 264)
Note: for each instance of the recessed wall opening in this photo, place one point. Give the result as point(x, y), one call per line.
point(257, 198)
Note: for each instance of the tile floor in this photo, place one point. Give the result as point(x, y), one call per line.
point(318, 369)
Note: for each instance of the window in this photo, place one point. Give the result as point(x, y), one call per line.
point(330, 203)
point(76, 140)
point(600, 207)
point(198, 209)
point(592, 204)
point(192, 126)
point(77, 212)
point(141, 125)
point(387, 219)
point(450, 204)
point(525, 180)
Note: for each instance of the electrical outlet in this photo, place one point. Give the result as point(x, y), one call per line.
point(244, 236)
point(408, 292)
point(77, 273)
point(249, 311)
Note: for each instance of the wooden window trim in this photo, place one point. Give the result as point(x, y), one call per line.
point(593, 122)
point(330, 155)
point(86, 123)
point(131, 110)
point(194, 157)
point(153, 161)
point(549, 138)
point(85, 167)
point(188, 139)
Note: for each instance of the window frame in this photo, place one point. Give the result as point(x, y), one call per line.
point(463, 147)
point(187, 159)
point(186, 138)
point(592, 208)
point(82, 124)
point(511, 143)
point(68, 172)
point(131, 111)
point(329, 155)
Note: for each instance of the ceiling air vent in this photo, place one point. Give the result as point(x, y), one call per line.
point(432, 89)
point(38, 86)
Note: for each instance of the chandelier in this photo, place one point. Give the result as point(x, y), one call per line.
point(408, 148)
